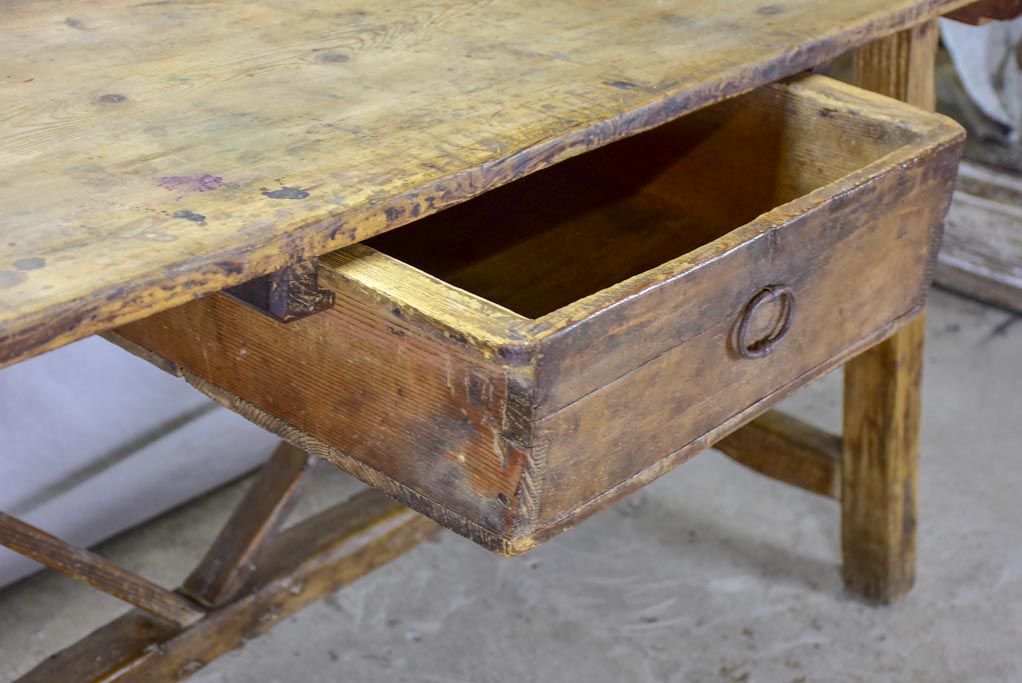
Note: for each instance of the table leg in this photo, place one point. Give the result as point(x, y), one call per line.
point(254, 576)
point(879, 468)
point(901, 65)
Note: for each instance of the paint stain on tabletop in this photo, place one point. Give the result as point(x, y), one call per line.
point(632, 85)
point(205, 182)
point(112, 98)
point(624, 85)
point(33, 263)
point(10, 278)
point(190, 216)
point(332, 58)
point(676, 20)
point(286, 193)
point(75, 24)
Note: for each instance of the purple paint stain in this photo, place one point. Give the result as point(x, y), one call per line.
point(207, 183)
point(173, 182)
point(187, 183)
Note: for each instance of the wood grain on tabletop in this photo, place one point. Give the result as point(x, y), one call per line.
point(509, 428)
point(154, 152)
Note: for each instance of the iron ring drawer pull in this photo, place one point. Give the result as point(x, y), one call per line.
point(761, 347)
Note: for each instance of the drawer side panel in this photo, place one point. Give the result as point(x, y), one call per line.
point(362, 381)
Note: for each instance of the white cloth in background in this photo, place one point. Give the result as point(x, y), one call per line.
point(984, 57)
point(94, 441)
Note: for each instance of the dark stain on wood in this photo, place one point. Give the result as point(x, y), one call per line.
point(333, 58)
point(190, 216)
point(286, 193)
point(33, 263)
point(625, 85)
point(205, 182)
point(676, 20)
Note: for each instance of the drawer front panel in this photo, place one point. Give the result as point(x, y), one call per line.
point(770, 149)
point(855, 266)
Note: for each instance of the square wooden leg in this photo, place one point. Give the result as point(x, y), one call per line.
point(879, 466)
point(879, 463)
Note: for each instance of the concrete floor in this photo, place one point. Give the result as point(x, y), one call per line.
point(711, 574)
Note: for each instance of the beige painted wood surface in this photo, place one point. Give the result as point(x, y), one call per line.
point(154, 152)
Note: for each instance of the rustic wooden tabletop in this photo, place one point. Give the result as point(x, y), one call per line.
point(155, 152)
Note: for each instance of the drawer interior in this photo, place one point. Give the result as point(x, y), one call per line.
point(587, 223)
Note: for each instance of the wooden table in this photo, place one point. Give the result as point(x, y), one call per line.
point(160, 152)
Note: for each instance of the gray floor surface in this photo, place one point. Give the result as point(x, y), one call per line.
point(711, 574)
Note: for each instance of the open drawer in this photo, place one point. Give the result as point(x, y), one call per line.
point(515, 363)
